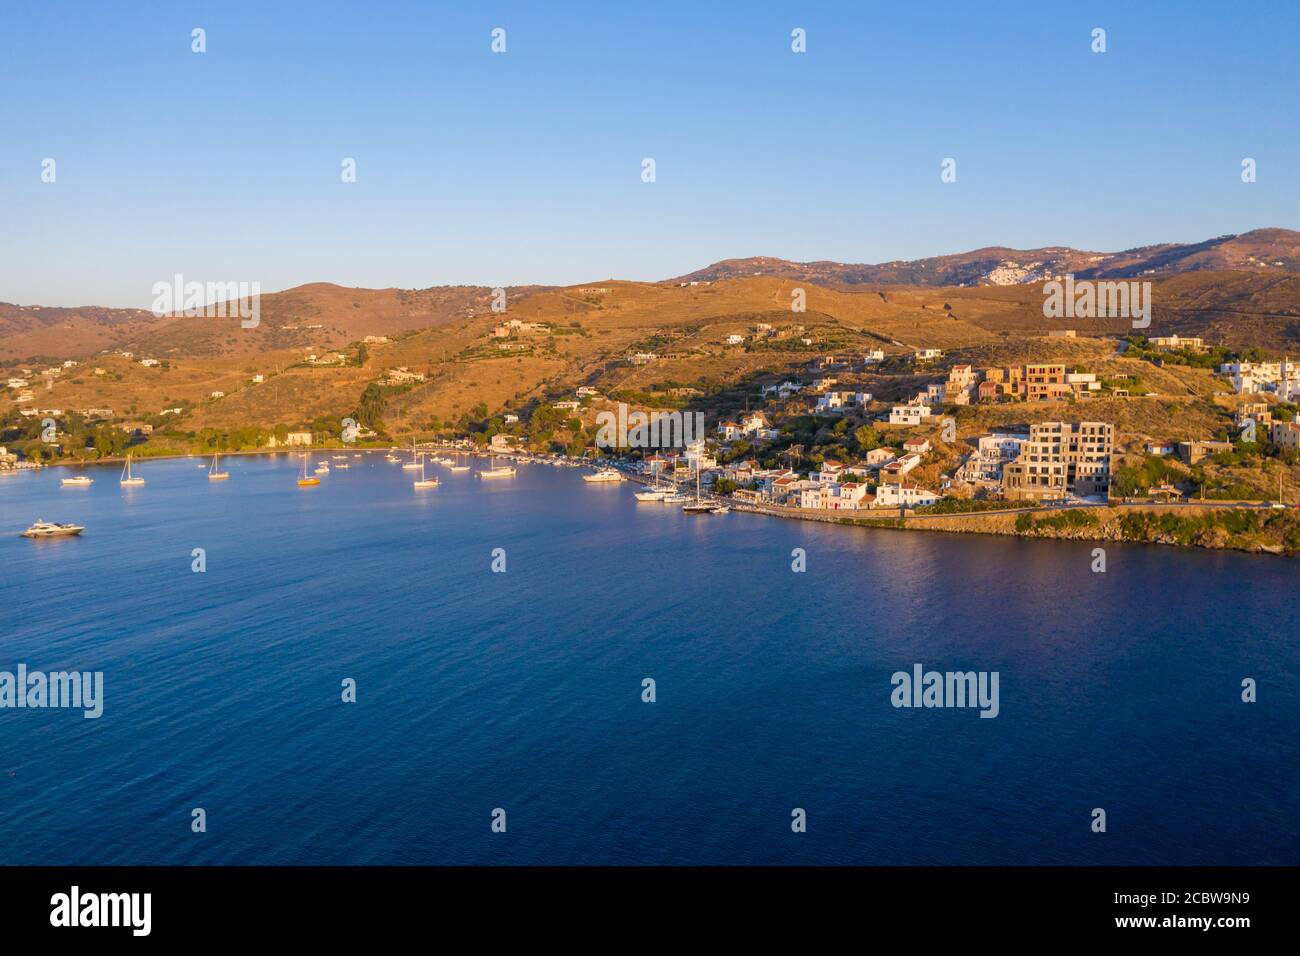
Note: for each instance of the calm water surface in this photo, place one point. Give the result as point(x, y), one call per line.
point(522, 690)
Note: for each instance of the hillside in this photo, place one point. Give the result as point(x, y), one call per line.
point(316, 316)
point(1262, 250)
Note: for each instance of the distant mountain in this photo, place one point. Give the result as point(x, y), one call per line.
point(1261, 250)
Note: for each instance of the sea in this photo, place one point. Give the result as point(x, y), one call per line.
point(540, 670)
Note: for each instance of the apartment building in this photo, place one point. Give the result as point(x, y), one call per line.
point(991, 455)
point(1046, 382)
point(1061, 458)
point(1169, 343)
point(1002, 383)
point(1285, 434)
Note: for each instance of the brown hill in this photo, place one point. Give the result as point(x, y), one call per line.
point(1262, 250)
point(315, 316)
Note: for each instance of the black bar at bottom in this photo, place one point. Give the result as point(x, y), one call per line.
point(335, 904)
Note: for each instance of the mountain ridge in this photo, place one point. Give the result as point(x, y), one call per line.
point(1269, 249)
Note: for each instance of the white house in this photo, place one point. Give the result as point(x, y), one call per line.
point(903, 495)
point(728, 430)
point(897, 469)
point(753, 423)
point(908, 414)
point(879, 457)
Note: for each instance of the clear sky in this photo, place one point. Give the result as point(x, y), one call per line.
point(525, 167)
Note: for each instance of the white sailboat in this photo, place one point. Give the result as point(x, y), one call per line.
point(698, 506)
point(129, 480)
point(417, 460)
point(215, 473)
point(653, 493)
point(504, 471)
point(423, 481)
point(457, 466)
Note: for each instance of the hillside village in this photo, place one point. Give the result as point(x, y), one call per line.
point(897, 399)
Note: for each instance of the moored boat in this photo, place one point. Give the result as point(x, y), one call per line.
point(603, 475)
point(78, 481)
point(424, 481)
point(306, 480)
point(129, 480)
point(497, 471)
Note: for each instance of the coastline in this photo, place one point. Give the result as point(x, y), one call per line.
point(1234, 526)
point(1107, 526)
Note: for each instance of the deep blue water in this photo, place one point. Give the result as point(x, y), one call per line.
point(522, 690)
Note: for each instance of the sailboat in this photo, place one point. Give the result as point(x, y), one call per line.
point(698, 506)
point(215, 473)
point(457, 466)
point(128, 480)
point(504, 471)
point(425, 482)
point(417, 460)
point(306, 480)
point(655, 493)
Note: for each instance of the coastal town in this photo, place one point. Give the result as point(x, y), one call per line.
point(821, 440)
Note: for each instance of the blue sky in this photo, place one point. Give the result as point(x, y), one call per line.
point(525, 167)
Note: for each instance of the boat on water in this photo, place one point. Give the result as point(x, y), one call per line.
point(699, 506)
point(675, 498)
point(323, 468)
point(604, 474)
point(78, 481)
point(721, 510)
point(456, 464)
point(417, 459)
point(51, 529)
point(393, 458)
point(215, 473)
point(497, 471)
point(424, 481)
point(343, 464)
point(129, 480)
point(652, 494)
point(305, 480)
